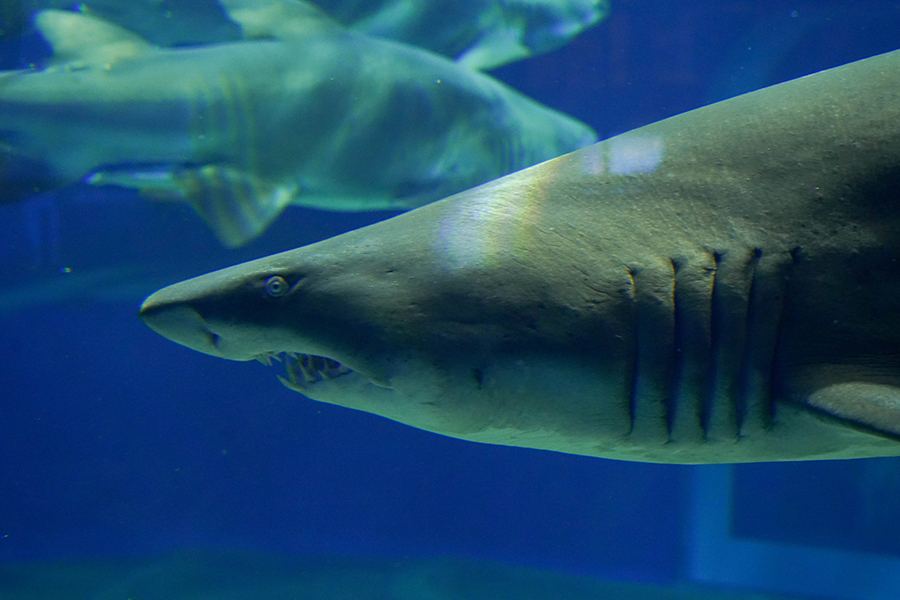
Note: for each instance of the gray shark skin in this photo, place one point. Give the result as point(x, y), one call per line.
point(720, 286)
point(301, 111)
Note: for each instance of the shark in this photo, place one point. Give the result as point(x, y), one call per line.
point(721, 286)
point(161, 22)
point(299, 111)
point(481, 34)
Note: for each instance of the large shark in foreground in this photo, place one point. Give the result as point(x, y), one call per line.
point(300, 111)
point(721, 286)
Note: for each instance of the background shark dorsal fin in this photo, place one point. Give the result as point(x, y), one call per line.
point(86, 39)
point(283, 19)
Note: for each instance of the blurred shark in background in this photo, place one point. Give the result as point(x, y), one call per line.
point(481, 34)
point(161, 22)
point(300, 111)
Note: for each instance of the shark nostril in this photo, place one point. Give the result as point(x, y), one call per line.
point(214, 339)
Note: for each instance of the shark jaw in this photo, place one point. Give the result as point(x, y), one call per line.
point(303, 372)
point(307, 373)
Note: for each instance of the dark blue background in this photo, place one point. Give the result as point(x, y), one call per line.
point(115, 441)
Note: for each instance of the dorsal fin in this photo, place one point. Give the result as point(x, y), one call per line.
point(86, 39)
point(282, 19)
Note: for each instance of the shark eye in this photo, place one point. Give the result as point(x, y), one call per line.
point(276, 286)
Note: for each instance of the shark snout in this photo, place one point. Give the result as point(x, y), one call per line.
point(180, 323)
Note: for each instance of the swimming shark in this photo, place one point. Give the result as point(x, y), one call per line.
point(481, 34)
point(300, 111)
point(719, 286)
point(161, 22)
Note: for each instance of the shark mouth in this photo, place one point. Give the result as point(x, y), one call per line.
point(305, 370)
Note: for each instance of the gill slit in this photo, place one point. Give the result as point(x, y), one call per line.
point(706, 346)
point(718, 313)
point(775, 375)
point(758, 382)
point(652, 297)
point(676, 381)
point(743, 397)
point(636, 357)
point(751, 318)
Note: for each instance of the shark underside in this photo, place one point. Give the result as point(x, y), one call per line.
point(721, 286)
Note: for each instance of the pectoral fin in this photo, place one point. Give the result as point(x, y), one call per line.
point(872, 406)
point(236, 206)
point(84, 40)
point(493, 50)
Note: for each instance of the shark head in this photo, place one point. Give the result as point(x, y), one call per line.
point(429, 318)
point(286, 310)
point(286, 306)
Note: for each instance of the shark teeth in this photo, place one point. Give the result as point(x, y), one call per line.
point(304, 370)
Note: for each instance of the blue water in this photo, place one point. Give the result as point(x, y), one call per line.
point(116, 442)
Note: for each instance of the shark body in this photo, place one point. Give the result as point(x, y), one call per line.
point(161, 22)
point(481, 34)
point(720, 286)
point(301, 111)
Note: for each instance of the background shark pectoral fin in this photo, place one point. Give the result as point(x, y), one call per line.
point(156, 185)
point(236, 205)
point(873, 406)
point(79, 38)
